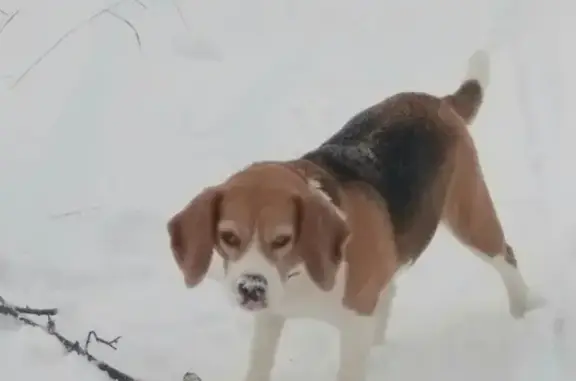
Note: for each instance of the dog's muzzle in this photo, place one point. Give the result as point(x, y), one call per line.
point(252, 291)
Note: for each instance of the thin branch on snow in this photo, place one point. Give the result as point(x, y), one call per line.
point(10, 19)
point(3, 12)
point(72, 31)
point(74, 212)
point(70, 346)
point(139, 2)
point(130, 25)
point(180, 14)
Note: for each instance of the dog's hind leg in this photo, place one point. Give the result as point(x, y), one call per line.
point(470, 214)
point(383, 309)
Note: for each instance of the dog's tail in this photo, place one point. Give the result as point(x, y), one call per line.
point(467, 99)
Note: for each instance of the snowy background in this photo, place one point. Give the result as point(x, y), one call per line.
point(101, 142)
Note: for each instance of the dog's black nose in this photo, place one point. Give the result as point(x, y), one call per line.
point(252, 287)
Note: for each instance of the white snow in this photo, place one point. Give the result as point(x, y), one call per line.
point(101, 143)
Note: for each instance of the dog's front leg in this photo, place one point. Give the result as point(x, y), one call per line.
point(265, 340)
point(356, 337)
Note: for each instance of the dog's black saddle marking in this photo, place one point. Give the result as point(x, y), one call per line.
point(398, 158)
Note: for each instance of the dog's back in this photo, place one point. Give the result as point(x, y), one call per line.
point(401, 147)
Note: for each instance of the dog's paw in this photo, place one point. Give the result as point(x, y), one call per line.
point(530, 302)
point(378, 341)
point(257, 376)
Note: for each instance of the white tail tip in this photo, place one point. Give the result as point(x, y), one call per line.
point(479, 68)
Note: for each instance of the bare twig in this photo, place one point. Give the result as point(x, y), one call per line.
point(180, 14)
point(110, 343)
point(69, 33)
point(74, 212)
point(130, 25)
point(32, 311)
point(141, 4)
point(74, 346)
point(37, 312)
point(54, 46)
point(10, 19)
point(3, 12)
point(70, 346)
point(51, 325)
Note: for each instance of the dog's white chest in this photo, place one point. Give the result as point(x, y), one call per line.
point(303, 299)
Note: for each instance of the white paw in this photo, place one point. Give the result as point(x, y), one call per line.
point(519, 307)
point(535, 301)
point(378, 340)
point(256, 376)
point(257, 379)
point(359, 376)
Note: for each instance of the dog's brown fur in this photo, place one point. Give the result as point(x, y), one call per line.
point(374, 244)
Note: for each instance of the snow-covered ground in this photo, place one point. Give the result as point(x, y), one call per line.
point(100, 143)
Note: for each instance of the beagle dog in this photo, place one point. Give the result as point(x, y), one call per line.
point(324, 235)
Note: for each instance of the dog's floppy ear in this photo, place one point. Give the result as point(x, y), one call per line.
point(192, 234)
point(321, 236)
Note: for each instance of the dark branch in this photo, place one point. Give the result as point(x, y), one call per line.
point(93, 334)
point(37, 312)
point(70, 346)
point(32, 311)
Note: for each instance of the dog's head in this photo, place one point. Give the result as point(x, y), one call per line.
point(267, 224)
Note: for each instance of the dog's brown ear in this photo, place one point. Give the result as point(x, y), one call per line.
point(321, 236)
point(192, 235)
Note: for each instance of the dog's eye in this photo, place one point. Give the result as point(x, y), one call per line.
point(281, 241)
point(230, 238)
